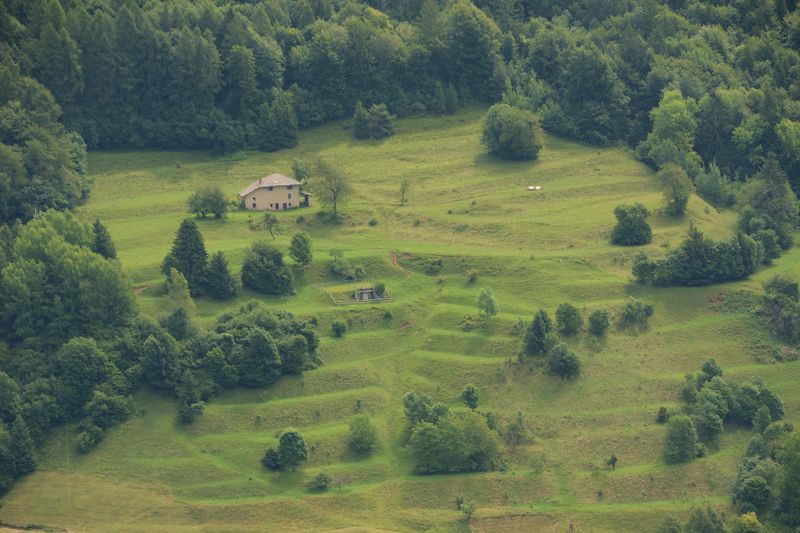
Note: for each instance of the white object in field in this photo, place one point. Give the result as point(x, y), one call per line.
point(534, 187)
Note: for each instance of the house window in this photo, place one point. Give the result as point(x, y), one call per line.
point(254, 205)
point(289, 187)
point(270, 205)
point(284, 205)
point(290, 196)
point(269, 188)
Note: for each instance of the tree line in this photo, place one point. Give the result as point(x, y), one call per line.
point(711, 88)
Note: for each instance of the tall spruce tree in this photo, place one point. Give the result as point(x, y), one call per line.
point(188, 256)
point(380, 122)
point(360, 122)
point(537, 338)
point(101, 241)
point(21, 448)
point(300, 248)
point(220, 283)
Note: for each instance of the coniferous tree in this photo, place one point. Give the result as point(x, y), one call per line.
point(21, 448)
point(470, 396)
point(9, 398)
point(101, 242)
point(537, 339)
point(263, 270)
point(361, 123)
point(259, 361)
point(300, 249)
point(380, 122)
point(188, 256)
point(178, 291)
point(220, 283)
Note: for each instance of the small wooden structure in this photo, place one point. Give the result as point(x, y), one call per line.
point(341, 295)
point(363, 294)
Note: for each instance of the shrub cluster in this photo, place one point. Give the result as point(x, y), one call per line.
point(701, 261)
point(709, 402)
point(632, 228)
point(443, 442)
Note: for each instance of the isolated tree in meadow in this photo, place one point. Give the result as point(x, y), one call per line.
point(487, 305)
point(208, 201)
point(270, 222)
point(563, 363)
point(537, 337)
point(380, 122)
point(612, 462)
point(292, 449)
point(468, 509)
point(511, 133)
point(568, 319)
point(360, 122)
point(363, 435)
point(101, 241)
point(632, 228)
point(300, 170)
point(680, 442)
point(333, 187)
point(339, 327)
point(320, 482)
point(405, 187)
point(263, 270)
point(271, 459)
point(470, 396)
point(598, 322)
point(188, 256)
point(220, 283)
point(517, 431)
point(677, 187)
point(300, 249)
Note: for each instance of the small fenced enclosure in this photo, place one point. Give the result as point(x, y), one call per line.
point(355, 292)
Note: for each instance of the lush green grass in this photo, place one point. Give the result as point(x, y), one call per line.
point(534, 249)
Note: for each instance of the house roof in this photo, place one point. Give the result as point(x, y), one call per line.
point(273, 180)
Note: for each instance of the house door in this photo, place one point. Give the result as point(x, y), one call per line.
point(284, 205)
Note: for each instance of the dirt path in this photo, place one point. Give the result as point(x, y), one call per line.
point(396, 262)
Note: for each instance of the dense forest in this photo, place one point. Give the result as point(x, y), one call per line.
point(711, 88)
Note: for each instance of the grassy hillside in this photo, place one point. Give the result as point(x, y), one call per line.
point(534, 249)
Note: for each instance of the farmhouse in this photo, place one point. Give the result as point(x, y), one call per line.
point(274, 193)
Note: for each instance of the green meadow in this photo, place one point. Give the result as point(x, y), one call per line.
point(534, 249)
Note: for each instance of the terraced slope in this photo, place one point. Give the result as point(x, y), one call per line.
point(534, 249)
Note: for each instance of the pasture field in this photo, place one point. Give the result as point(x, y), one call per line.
point(533, 249)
